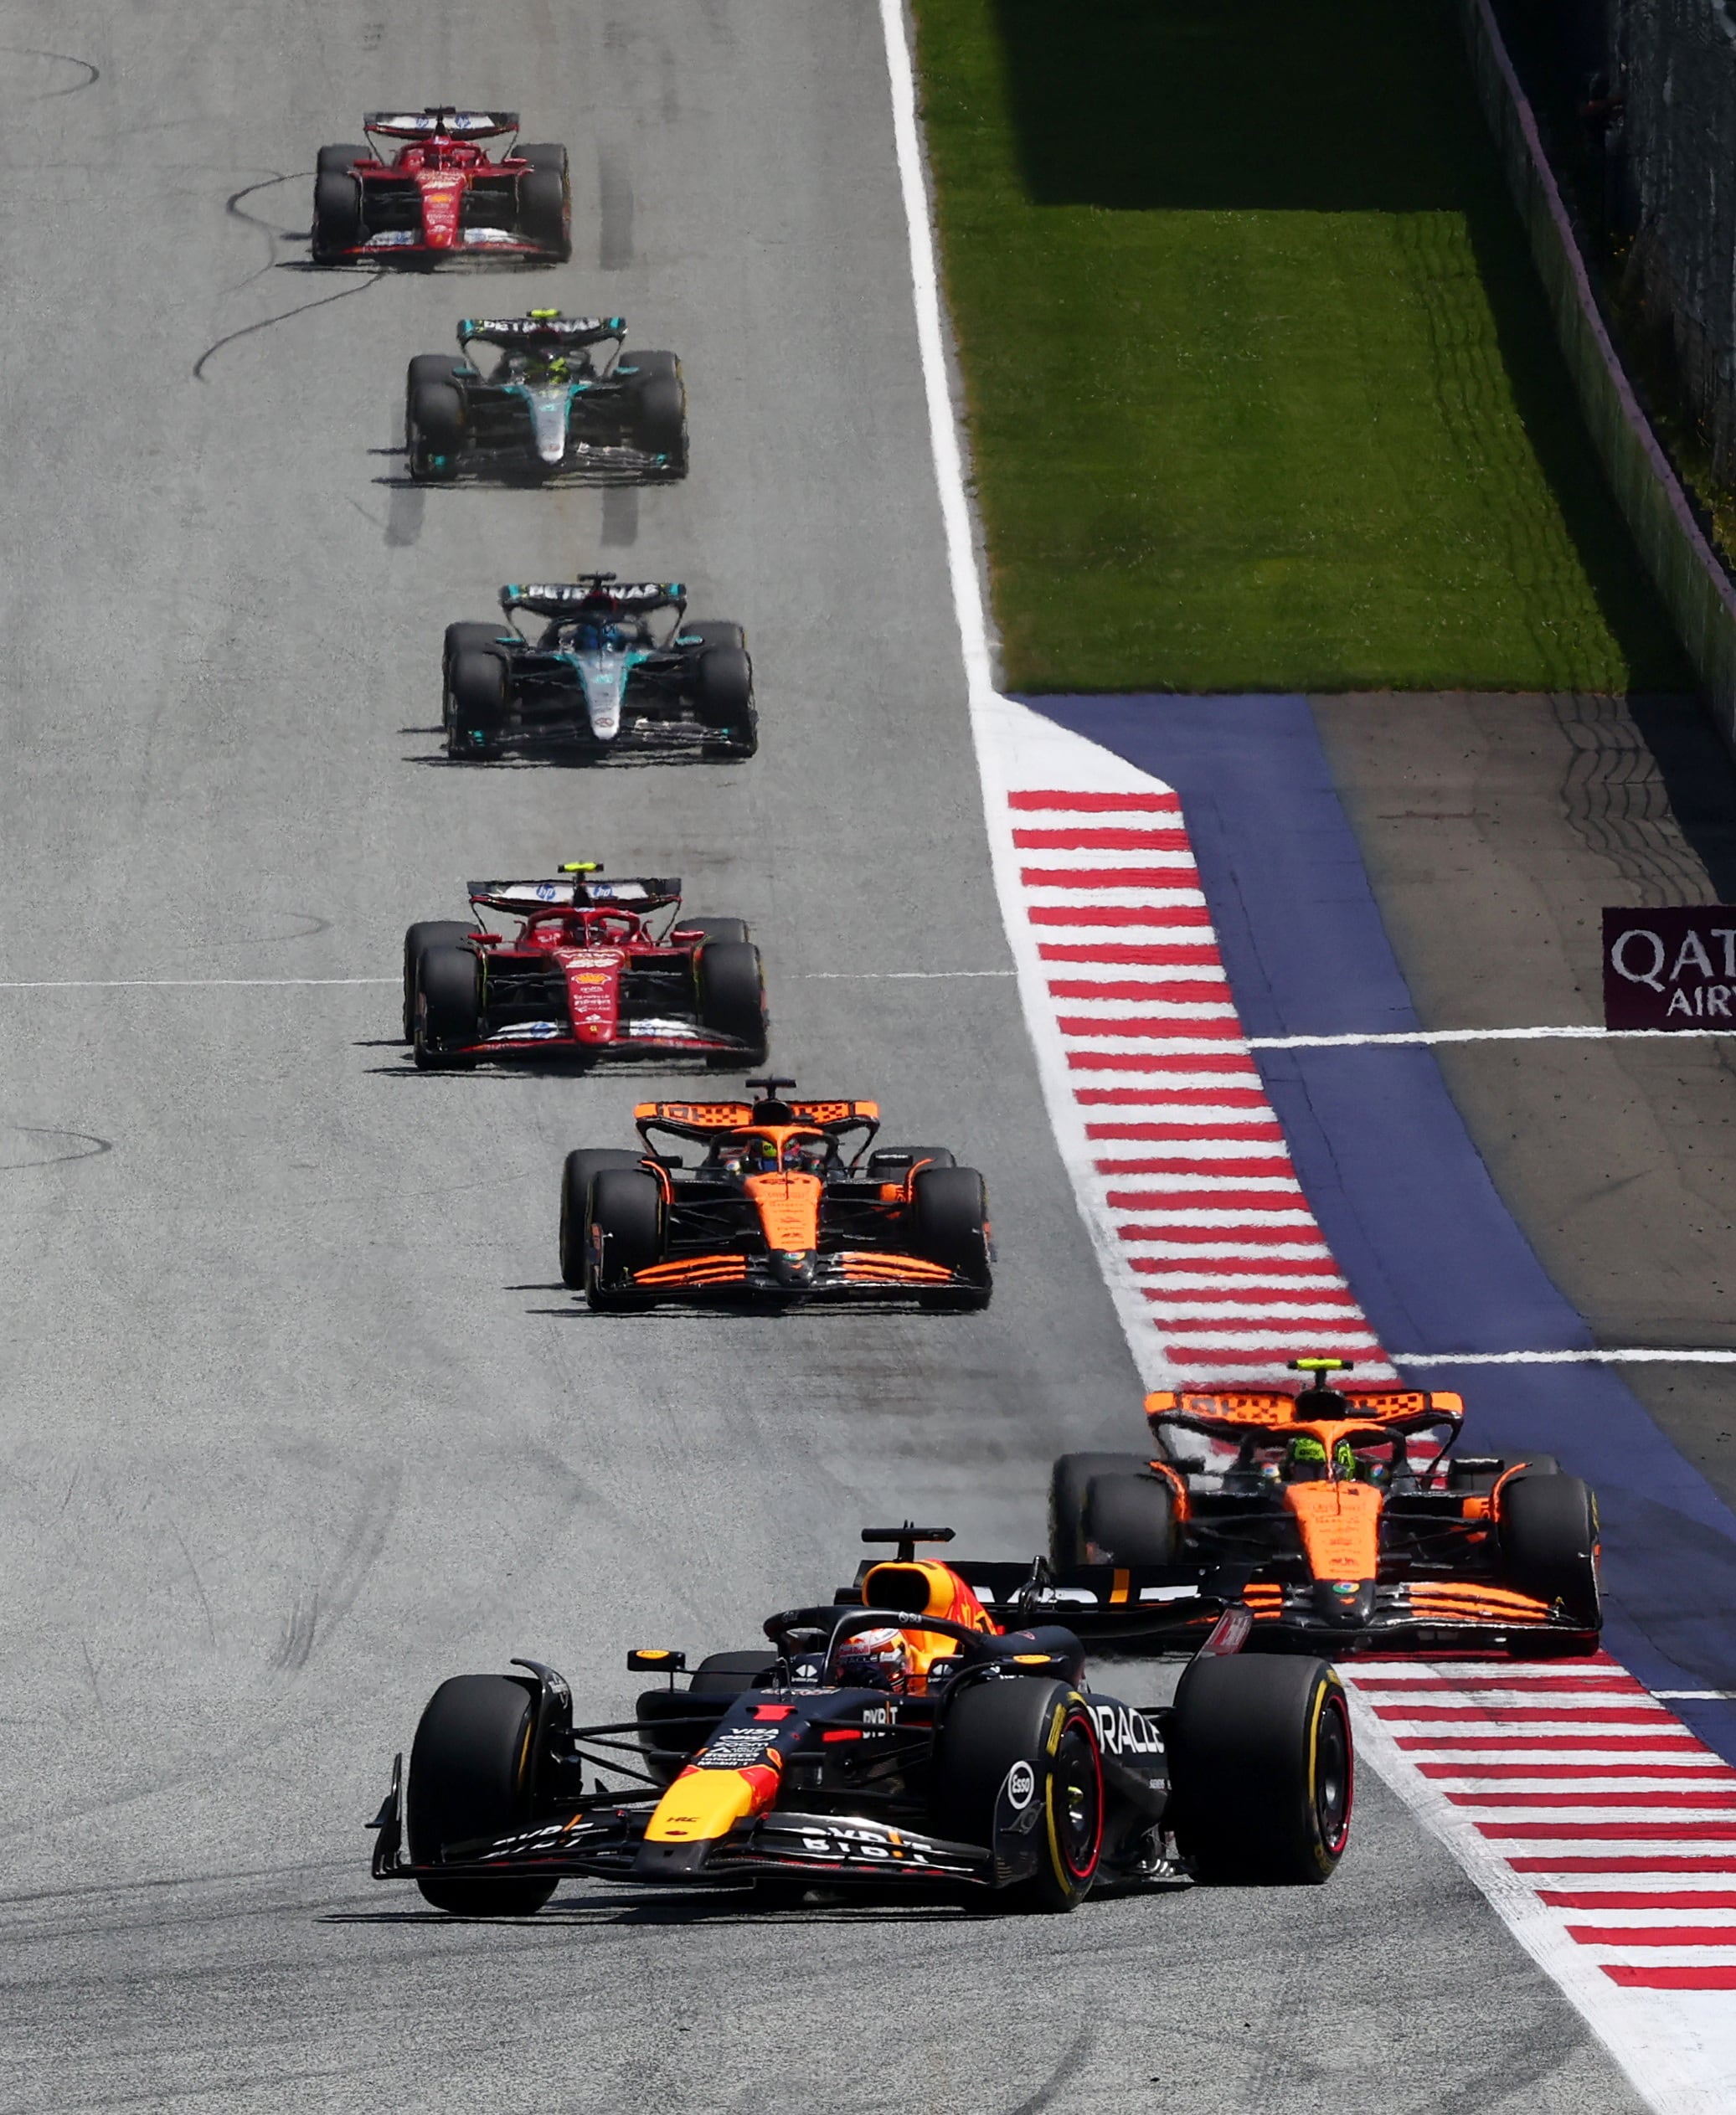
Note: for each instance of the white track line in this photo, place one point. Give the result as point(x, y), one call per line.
point(1398, 1038)
point(180, 984)
point(1643, 1355)
point(1675, 2045)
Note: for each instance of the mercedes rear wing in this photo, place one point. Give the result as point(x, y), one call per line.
point(562, 598)
point(539, 330)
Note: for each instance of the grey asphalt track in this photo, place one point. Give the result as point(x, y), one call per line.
point(297, 1419)
point(1494, 830)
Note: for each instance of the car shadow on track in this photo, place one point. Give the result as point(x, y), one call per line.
point(582, 1912)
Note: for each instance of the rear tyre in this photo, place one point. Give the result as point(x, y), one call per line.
point(430, 932)
point(1264, 1773)
point(339, 160)
point(626, 1210)
point(475, 702)
point(713, 634)
point(728, 1673)
point(990, 1730)
point(731, 986)
point(659, 408)
point(1548, 1530)
point(471, 1775)
point(545, 215)
point(716, 929)
point(1069, 1482)
point(951, 1228)
point(581, 1168)
point(893, 1163)
point(337, 215)
point(468, 639)
point(545, 155)
point(1131, 1520)
point(448, 1011)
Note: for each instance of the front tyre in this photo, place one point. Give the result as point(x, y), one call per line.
point(580, 1169)
point(448, 1018)
point(1035, 1741)
point(625, 1234)
point(427, 933)
point(1264, 1770)
point(471, 1779)
point(476, 694)
point(337, 215)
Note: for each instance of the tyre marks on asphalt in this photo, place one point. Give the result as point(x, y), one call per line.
point(1178, 1161)
point(1601, 1829)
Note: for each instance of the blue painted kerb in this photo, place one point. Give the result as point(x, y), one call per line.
point(1400, 1192)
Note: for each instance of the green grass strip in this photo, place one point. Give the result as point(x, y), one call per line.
point(1262, 391)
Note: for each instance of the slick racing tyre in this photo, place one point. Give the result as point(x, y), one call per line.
point(658, 411)
point(1548, 1530)
point(449, 1010)
point(430, 932)
point(337, 215)
point(576, 1177)
point(714, 632)
point(545, 155)
point(626, 1214)
point(339, 160)
point(893, 1163)
point(433, 419)
point(1129, 1521)
point(950, 1212)
point(476, 695)
point(716, 929)
point(1069, 1481)
point(1264, 1770)
point(1037, 1736)
point(731, 990)
point(471, 1778)
point(545, 209)
point(724, 698)
point(468, 638)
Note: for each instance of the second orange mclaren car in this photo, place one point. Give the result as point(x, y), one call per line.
point(1344, 1518)
point(787, 1201)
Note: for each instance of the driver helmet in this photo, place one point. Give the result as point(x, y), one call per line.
point(1305, 1459)
point(874, 1660)
point(813, 1154)
point(758, 1157)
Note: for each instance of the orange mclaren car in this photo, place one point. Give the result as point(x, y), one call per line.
point(786, 1200)
point(1344, 1519)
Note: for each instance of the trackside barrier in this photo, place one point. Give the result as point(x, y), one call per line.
point(1692, 584)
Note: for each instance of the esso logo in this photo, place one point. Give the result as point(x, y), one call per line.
point(1021, 1785)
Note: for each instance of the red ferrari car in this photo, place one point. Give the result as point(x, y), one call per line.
point(585, 974)
point(439, 195)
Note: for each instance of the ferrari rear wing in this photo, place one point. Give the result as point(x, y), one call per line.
point(578, 891)
point(438, 120)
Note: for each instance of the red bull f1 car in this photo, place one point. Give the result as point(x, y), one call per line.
point(585, 975)
point(774, 1208)
point(907, 1735)
point(1345, 1520)
point(438, 194)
